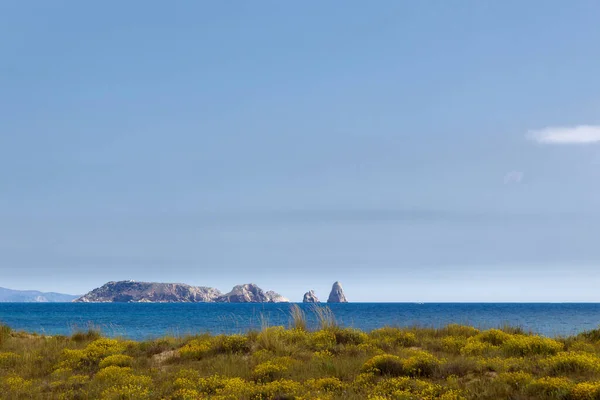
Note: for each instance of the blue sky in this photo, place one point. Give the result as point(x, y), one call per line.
point(415, 151)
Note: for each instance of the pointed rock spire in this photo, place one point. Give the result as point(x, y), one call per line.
point(337, 294)
point(310, 297)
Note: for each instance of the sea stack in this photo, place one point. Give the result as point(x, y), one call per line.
point(310, 297)
point(337, 294)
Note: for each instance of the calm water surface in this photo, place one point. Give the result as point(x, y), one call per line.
point(143, 320)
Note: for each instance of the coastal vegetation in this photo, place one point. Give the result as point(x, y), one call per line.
point(295, 362)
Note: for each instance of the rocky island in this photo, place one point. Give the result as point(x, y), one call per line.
point(337, 294)
point(310, 297)
point(154, 292)
point(250, 293)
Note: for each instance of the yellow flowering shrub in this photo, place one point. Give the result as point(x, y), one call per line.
point(119, 360)
point(104, 347)
point(122, 380)
point(16, 384)
point(279, 389)
point(403, 386)
point(475, 347)
point(323, 356)
point(502, 364)
point(453, 344)
point(582, 346)
point(515, 380)
point(322, 340)
point(185, 383)
point(186, 394)
point(549, 388)
point(421, 363)
point(364, 381)
point(114, 376)
point(294, 336)
point(586, 391)
point(113, 373)
point(325, 384)
point(573, 362)
point(129, 391)
point(195, 349)
point(210, 384)
point(92, 354)
point(272, 369)
point(522, 346)
point(232, 344)
point(397, 395)
point(236, 388)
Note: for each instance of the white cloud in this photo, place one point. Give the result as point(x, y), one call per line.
point(581, 134)
point(513, 177)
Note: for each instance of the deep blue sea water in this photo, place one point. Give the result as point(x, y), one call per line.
point(145, 320)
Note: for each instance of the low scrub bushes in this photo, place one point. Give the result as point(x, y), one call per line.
point(333, 363)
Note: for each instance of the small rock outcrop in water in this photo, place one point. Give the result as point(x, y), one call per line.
point(310, 297)
point(337, 294)
point(149, 292)
point(250, 293)
point(276, 297)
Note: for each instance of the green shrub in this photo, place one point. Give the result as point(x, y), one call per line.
point(419, 364)
point(350, 336)
point(87, 336)
point(459, 330)
point(385, 364)
point(515, 380)
point(9, 360)
point(388, 338)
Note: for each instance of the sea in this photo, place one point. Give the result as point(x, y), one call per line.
point(139, 321)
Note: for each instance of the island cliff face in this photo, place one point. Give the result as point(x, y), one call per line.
point(152, 292)
point(337, 294)
point(149, 292)
point(310, 297)
point(251, 293)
